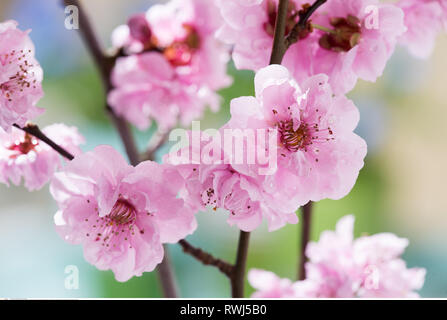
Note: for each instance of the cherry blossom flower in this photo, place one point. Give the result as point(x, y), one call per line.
point(220, 186)
point(318, 154)
point(347, 39)
point(120, 214)
point(269, 285)
point(20, 77)
point(24, 156)
point(341, 267)
point(178, 68)
point(424, 20)
point(369, 266)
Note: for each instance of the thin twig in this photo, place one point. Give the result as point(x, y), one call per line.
point(105, 65)
point(34, 130)
point(305, 237)
point(167, 277)
point(301, 25)
point(279, 47)
point(159, 138)
point(206, 258)
point(238, 276)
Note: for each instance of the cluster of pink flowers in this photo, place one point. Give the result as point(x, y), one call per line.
point(341, 267)
point(247, 200)
point(318, 155)
point(171, 61)
point(176, 66)
point(120, 214)
point(20, 77)
point(24, 156)
point(347, 39)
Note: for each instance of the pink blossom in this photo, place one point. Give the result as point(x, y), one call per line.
point(20, 77)
point(369, 266)
point(24, 156)
point(318, 155)
point(424, 20)
point(178, 68)
point(120, 214)
point(351, 46)
point(269, 285)
point(341, 267)
point(220, 186)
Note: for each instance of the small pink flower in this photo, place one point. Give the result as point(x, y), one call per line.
point(318, 155)
point(120, 214)
point(359, 38)
point(20, 77)
point(424, 20)
point(24, 156)
point(369, 266)
point(178, 66)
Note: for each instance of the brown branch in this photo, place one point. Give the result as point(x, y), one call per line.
point(279, 45)
point(105, 64)
point(158, 140)
point(34, 130)
point(207, 259)
point(238, 276)
point(301, 25)
point(305, 236)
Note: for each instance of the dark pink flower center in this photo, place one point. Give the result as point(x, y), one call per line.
point(116, 228)
point(28, 144)
point(303, 137)
point(293, 140)
point(20, 81)
point(344, 36)
point(122, 213)
point(181, 52)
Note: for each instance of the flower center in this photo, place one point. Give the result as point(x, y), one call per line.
point(28, 144)
point(20, 81)
point(181, 52)
point(344, 36)
point(306, 137)
point(117, 228)
point(122, 213)
point(293, 140)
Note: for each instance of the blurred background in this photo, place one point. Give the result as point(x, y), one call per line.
point(402, 188)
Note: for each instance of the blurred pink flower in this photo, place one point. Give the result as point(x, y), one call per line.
point(369, 266)
point(120, 214)
point(215, 186)
point(269, 285)
point(424, 20)
point(178, 68)
point(341, 267)
point(318, 155)
point(24, 156)
point(359, 37)
point(20, 77)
